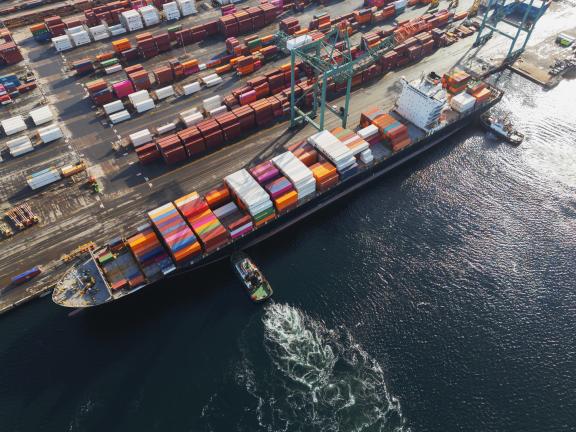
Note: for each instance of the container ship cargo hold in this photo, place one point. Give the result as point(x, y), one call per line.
point(255, 203)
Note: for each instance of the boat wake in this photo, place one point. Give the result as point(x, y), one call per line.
point(316, 379)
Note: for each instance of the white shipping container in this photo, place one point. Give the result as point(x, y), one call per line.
point(99, 32)
point(62, 43)
point(112, 107)
point(213, 82)
point(43, 178)
point(131, 20)
point(187, 7)
point(145, 105)
point(161, 130)
point(138, 96)
point(22, 149)
point(192, 119)
point(164, 92)
point(119, 117)
point(171, 11)
point(140, 138)
point(463, 102)
point(366, 156)
point(41, 115)
point(211, 103)
point(17, 142)
point(298, 42)
point(368, 132)
point(218, 110)
point(49, 134)
point(113, 69)
point(81, 38)
point(150, 15)
point(191, 88)
point(117, 30)
point(13, 125)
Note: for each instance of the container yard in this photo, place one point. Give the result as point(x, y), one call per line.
point(179, 106)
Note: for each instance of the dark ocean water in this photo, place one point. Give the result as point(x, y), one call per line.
point(441, 298)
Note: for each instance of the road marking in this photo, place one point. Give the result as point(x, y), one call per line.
point(138, 174)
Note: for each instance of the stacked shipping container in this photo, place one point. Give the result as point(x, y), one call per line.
point(177, 236)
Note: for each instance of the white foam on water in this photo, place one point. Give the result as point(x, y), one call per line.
point(320, 379)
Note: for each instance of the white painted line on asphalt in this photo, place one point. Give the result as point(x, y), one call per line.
point(138, 174)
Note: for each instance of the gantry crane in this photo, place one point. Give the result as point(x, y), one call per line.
point(521, 15)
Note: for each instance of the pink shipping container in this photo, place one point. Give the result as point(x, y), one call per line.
point(248, 97)
point(123, 89)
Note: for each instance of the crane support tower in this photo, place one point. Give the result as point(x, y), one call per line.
point(326, 60)
point(513, 19)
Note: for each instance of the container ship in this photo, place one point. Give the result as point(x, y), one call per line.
point(255, 203)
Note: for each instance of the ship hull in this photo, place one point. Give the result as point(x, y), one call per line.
point(317, 203)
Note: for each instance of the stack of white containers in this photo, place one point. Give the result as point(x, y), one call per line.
point(62, 43)
point(249, 192)
point(187, 7)
point(140, 138)
point(368, 133)
point(333, 149)
point(366, 156)
point(19, 146)
point(99, 32)
point(113, 107)
point(299, 174)
point(43, 178)
point(41, 115)
point(50, 133)
point(219, 110)
point(463, 102)
point(171, 11)
point(191, 88)
point(141, 101)
point(212, 103)
point(117, 29)
point(212, 80)
point(131, 20)
point(191, 117)
point(13, 125)
point(118, 117)
point(79, 35)
point(150, 15)
point(164, 92)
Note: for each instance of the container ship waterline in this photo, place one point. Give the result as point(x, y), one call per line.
point(256, 203)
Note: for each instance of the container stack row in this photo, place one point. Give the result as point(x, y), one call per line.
point(298, 173)
point(336, 152)
point(204, 223)
point(148, 251)
point(391, 129)
point(176, 234)
point(251, 196)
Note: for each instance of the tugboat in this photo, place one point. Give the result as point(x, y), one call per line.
point(256, 284)
point(502, 128)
